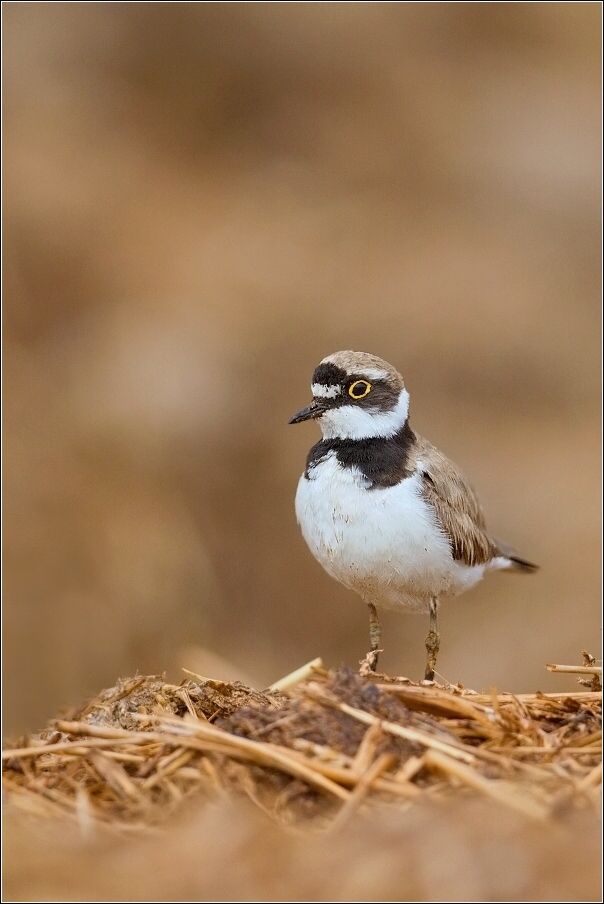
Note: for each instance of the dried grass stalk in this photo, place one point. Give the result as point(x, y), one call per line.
point(315, 745)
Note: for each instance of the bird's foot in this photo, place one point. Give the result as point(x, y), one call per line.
point(368, 665)
point(432, 646)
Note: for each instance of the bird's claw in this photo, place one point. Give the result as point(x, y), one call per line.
point(368, 665)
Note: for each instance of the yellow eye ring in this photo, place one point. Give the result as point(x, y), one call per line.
point(359, 389)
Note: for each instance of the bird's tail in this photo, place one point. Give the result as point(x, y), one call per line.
point(522, 566)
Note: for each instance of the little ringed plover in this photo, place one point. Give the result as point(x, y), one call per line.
point(382, 510)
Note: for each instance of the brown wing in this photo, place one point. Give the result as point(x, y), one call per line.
point(456, 506)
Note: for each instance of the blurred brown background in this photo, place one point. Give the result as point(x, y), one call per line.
point(201, 201)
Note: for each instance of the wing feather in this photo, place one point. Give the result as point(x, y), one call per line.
point(456, 506)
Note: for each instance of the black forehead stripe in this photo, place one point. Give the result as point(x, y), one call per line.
point(332, 375)
point(329, 375)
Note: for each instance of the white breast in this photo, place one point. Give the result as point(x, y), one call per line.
point(383, 543)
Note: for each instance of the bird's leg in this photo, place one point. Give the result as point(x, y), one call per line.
point(374, 635)
point(432, 641)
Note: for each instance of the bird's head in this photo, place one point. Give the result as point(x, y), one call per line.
point(356, 396)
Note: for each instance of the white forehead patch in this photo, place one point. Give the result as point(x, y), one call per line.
point(325, 392)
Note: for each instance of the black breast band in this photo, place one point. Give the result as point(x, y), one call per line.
point(383, 462)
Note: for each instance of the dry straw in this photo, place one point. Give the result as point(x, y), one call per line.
point(316, 745)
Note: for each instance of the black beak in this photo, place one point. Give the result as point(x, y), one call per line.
point(315, 409)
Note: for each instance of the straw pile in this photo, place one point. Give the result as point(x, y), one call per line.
point(311, 749)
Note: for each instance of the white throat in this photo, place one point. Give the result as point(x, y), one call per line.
point(354, 422)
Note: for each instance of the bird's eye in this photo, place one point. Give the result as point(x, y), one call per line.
point(359, 389)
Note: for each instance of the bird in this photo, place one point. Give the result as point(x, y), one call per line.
point(384, 511)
